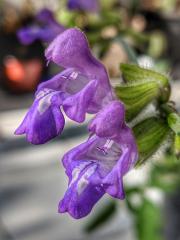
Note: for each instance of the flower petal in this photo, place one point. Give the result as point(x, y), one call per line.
point(127, 139)
point(58, 82)
point(108, 122)
point(47, 31)
point(45, 16)
point(44, 120)
point(113, 182)
point(76, 106)
point(129, 155)
point(127, 160)
point(28, 35)
point(71, 50)
point(82, 194)
point(83, 5)
point(95, 167)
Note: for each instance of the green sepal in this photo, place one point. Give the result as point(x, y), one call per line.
point(136, 97)
point(150, 134)
point(134, 74)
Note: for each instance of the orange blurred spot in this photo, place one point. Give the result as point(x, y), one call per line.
point(22, 75)
point(14, 70)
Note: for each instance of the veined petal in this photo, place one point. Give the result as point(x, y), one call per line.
point(127, 160)
point(114, 180)
point(69, 81)
point(127, 139)
point(58, 82)
point(78, 91)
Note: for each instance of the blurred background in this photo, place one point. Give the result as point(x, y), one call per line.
point(32, 179)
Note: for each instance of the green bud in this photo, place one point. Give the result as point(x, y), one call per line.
point(150, 134)
point(136, 97)
point(133, 74)
point(142, 87)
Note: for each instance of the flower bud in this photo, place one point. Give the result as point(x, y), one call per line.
point(142, 87)
point(137, 96)
point(133, 74)
point(150, 135)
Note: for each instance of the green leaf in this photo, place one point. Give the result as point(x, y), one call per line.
point(177, 145)
point(157, 44)
point(149, 134)
point(149, 222)
point(101, 217)
point(174, 122)
point(134, 74)
point(136, 97)
point(130, 191)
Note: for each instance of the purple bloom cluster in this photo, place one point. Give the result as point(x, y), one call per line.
point(84, 5)
point(45, 28)
point(98, 165)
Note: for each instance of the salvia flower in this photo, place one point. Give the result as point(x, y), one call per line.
point(83, 5)
point(97, 166)
point(83, 87)
point(45, 28)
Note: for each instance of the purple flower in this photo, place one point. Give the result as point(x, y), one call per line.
point(46, 31)
point(83, 87)
point(71, 50)
point(44, 120)
point(85, 5)
point(97, 166)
